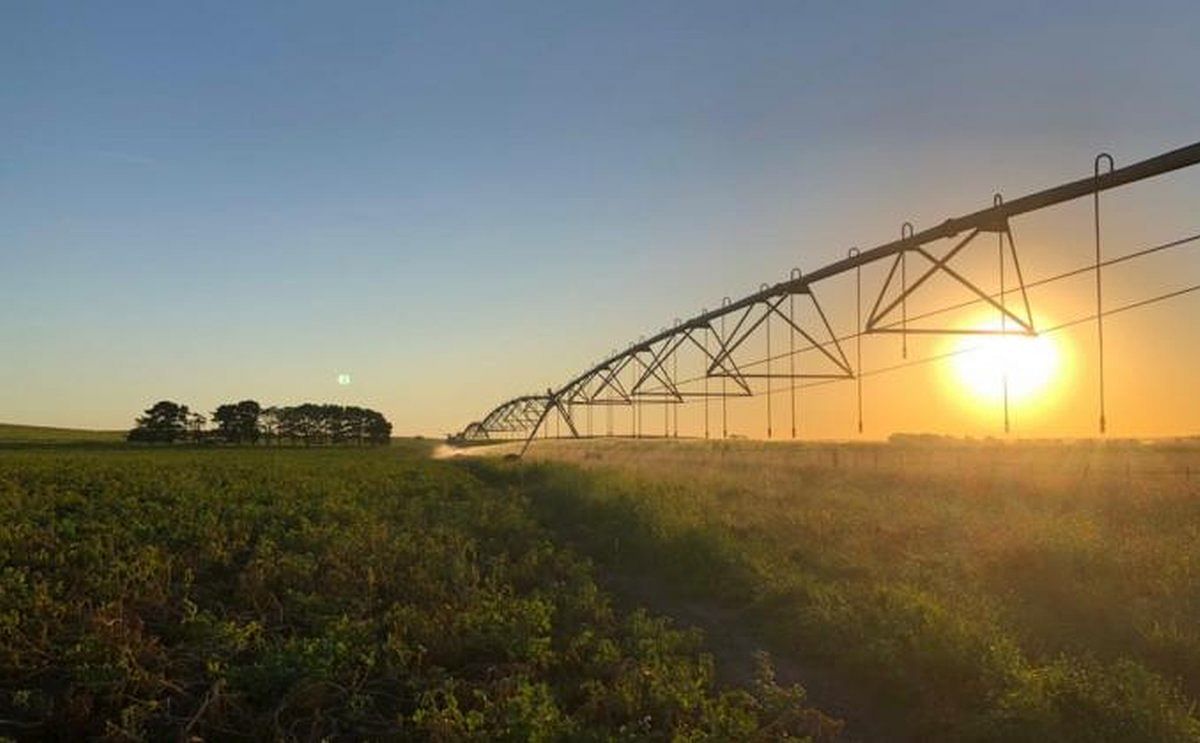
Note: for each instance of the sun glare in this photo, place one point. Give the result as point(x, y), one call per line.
point(984, 365)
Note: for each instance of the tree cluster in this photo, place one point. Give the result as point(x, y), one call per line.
point(247, 422)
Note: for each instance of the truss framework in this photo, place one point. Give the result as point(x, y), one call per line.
point(646, 371)
point(882, 316)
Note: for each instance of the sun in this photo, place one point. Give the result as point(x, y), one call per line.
point(984, 366)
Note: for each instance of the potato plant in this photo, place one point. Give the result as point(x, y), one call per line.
point(333, 594)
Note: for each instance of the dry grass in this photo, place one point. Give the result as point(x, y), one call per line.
point(993, 588)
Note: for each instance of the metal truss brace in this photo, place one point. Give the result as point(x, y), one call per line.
point(611, 380)
point(669, 347)
point(879, 315)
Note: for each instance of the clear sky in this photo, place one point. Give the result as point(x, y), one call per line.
point(454, 203)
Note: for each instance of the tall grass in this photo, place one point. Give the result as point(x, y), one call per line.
point(1002, 593)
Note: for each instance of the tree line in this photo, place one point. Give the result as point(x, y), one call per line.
point(247, 422)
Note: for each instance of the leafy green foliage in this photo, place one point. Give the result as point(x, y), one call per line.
point(235, 593)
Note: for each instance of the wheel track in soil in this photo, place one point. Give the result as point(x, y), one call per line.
point(730, 638)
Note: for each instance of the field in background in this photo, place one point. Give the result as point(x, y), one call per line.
point(985, 591)
point(16, 434)
point(1165, 463)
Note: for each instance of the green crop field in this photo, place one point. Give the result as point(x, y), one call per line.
point(225, 593)
point(601, 590)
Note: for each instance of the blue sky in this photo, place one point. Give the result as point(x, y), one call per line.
point(459, 202)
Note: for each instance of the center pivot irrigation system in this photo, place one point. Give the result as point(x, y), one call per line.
point(717, 341)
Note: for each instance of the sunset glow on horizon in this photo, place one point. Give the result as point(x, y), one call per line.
point(229, 202)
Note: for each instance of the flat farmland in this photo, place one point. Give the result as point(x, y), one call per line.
point(601, 590)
